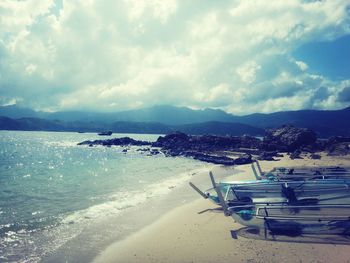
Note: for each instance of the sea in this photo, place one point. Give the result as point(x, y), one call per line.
point(60, 202)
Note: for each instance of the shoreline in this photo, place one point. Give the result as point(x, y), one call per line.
point(97, 237)
point(198, 232)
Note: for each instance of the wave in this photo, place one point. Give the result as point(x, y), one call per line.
point(126, 199)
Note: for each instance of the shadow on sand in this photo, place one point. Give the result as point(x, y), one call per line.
point(290, 236)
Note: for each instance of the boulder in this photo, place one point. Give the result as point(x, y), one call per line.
point(338, 145)
point(267, 156)
point(224, 160)
point(244, 159)
point(169, 141)
point(288, 138)
point(315, 156)
point(154, 152)
point(295, 155)
point(205, 143)
point(339, 149)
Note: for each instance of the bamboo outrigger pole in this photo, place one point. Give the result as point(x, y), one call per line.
point(221, 198)
point(198, 190)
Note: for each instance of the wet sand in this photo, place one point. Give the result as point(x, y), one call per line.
point(199, 232)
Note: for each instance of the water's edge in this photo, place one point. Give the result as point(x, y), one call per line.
point(81, 249)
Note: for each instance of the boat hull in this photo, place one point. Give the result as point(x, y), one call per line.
point(296, 219)
point(315, 192)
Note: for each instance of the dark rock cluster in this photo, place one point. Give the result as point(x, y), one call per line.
point(125, 141)
point(288, 138)
point(206, 143)
point(338, 146)
point(210, 148)
point(206, 148)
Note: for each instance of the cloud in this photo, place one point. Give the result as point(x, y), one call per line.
point(114, 55)
point(218, 96)
point(247, 72)
point(302, 65)
point(160, 10)
point(344, 95)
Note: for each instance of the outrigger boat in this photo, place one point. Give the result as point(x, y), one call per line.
point(318, 206)
point(311, 219)
point(326, 191)
point(301, 173)
point(311, 169)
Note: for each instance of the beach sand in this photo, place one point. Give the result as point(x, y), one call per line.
point(199, 232)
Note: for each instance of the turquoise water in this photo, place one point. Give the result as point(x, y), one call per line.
point(50, 187)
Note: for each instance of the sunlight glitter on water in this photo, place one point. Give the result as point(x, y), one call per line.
point(52, 188)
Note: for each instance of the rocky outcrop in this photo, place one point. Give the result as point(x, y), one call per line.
point(268, 156)
point(288, 138)
point(204, 148)
point(338, 146)
point(213, 159)
point(244, 159)
point(125, 141)
point(205, 143)
point(295, 155)
point(315, 156)
point(209, 148)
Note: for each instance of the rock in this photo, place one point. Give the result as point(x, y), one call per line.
point(295, 155)
point(338, 139)
point(267, 156)
point(212, 149)
point(143, 150)
point(339, 149)
point(214, 159)
point(205, 143)
point(154, 152)
point(116, 141)
point(288, 138)
point(169, 141)
point(244, 159)
point(337, 146)
point(315, 156)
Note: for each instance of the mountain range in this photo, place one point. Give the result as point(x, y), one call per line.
point(165, 119)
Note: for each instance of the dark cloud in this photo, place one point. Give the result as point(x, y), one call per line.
point(321, 93)
point(344, 95)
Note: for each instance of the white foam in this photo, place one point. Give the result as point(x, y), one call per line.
point(75, 223)
point(125, 199)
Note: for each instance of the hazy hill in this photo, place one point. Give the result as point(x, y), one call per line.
point(159, 114)
point(325, 122)
point(173, 115)
point(15, 112)
point(219, 128)
point(165, 118)
point(31, 124)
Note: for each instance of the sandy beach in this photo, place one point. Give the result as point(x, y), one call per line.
point(199, 232)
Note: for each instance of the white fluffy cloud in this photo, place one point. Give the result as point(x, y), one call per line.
point(113, 55)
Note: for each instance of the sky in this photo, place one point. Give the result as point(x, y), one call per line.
point(241, 56)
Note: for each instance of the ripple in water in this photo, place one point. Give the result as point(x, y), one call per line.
point(51, 189)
